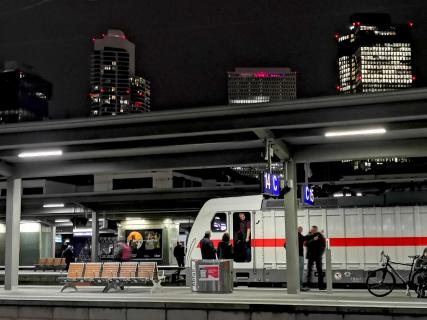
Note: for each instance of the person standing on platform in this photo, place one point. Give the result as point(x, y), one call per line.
point(122, 252)
point(316, 245)
point(179, 254)
point(68, 254)
point(207, 247)
point(225, 248)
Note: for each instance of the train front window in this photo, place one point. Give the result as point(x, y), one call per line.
point(219, 222)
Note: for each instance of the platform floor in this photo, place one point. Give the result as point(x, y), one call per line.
point(240, 296)
point(38, 272)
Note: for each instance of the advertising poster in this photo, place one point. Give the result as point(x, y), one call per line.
point(209, 272)
point(145, 244)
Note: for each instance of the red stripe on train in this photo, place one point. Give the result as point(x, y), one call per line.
point(347, 242)
point(378, 242)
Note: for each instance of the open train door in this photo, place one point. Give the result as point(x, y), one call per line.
point(242, 231)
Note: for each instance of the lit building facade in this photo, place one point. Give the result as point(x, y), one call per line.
point(114, 88)
point(375, 55)
point(139, 94)
point(261, 85)
point(24, 94)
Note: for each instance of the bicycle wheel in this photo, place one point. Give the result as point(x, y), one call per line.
point(380, 282)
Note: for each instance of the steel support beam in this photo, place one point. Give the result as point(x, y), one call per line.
point(53, 248)
point(361, 150)
point(95, 237)
point(280, 148)
point(13, 219)
point(303, 113)
point(193, 160)
point(291, 225)
point(6, 169)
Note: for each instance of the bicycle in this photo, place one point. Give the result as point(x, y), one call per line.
point(382, 281)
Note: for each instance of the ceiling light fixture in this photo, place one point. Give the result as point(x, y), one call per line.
point(45, 153)
point(355, 132)
point(53, 205)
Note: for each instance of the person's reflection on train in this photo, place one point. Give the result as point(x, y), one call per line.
point(240, 248)
point(225, 248)
point(245, 229)
point(207, 247)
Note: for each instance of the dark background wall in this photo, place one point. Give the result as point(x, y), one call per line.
point(185, 47)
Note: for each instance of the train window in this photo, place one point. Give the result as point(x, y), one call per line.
point(242, 236)
point(219, 222)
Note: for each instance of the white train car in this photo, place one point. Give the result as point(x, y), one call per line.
point(357, 235)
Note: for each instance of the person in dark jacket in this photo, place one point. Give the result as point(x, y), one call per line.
point(225, 248)
point(316, 244)
point(179, 254)
point(421, 264)
point(68, 254)
point(207, 247)
point(240, 248)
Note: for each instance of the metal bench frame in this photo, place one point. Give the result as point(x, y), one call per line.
point(115, 282)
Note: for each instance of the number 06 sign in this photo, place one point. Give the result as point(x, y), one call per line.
point(307, 195)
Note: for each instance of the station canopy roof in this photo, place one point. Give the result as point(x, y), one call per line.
point(306, 130)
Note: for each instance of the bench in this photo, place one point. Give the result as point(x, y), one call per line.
point(113, 275)
point(50, 264)
point(75, 272)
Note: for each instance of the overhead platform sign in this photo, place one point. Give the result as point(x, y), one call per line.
point(271, 184)
point(308, 195)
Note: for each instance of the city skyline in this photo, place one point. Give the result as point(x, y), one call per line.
point(187, 58)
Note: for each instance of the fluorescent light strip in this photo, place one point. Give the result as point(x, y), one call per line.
point(53, 205)
point(46, 153)
point(355, 132)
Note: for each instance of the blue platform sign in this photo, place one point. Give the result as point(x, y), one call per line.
point(271, 184)
point(308, 195)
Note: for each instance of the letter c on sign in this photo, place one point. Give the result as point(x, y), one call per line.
point(275, 184)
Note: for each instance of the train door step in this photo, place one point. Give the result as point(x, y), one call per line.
point(242, 276)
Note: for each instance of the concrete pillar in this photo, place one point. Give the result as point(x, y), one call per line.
point(13, 219)
point(291, 225)
point(95, 237)
point(53, 248)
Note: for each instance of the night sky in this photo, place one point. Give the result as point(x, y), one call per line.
point(185, 47)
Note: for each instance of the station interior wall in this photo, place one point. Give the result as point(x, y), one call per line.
point(35, 242)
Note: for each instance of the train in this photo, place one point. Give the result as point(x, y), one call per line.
point(356, 236)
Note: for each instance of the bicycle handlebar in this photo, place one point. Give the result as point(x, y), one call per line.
point(383, 255)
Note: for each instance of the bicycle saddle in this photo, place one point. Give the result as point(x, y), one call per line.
point(414, 257)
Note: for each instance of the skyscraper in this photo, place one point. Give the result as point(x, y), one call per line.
point(261, 85)
point(24, 94)
point(114, 88)
point(375, 55)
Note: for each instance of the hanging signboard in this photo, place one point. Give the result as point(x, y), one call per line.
point(270, 184)
point(308, 195)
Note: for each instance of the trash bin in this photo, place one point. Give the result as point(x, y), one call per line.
point(212, 276)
